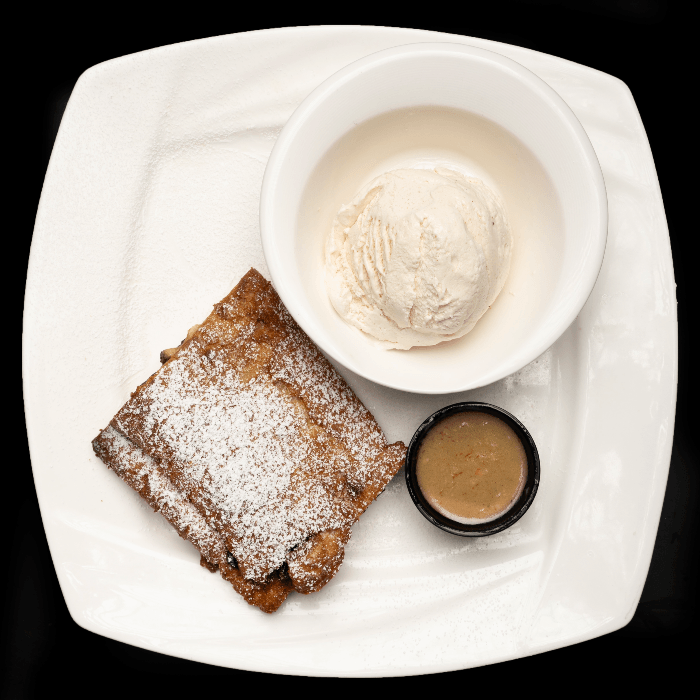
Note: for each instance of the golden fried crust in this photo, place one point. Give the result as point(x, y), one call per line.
point(258, 434)
point(315, 562)
point(143, 475)
point(267, 596)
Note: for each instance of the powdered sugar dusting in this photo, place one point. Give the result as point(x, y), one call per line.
point(143, 475)
point(260, 433)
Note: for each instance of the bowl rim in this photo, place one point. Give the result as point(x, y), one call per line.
point(510, 516)
point(277, 265)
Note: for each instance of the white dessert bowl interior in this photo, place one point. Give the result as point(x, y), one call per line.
point(455, 106)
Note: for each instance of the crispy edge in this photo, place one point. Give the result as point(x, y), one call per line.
point(133, 468)
point(317, 560)
point(267, 596)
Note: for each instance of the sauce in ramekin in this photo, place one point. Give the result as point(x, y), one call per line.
point(471, 467)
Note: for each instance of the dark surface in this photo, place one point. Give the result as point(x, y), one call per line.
point(639, 41)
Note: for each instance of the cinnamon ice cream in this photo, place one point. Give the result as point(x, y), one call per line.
point(418, 256)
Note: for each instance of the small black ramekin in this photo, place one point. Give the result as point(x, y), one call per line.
point(514, 513)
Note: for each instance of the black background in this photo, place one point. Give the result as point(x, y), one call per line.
point(639, 41)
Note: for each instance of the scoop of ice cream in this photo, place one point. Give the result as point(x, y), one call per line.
point(418, 256)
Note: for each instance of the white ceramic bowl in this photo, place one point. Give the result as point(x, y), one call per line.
point(423, 105)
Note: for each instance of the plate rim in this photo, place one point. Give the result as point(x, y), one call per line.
point(662, 460)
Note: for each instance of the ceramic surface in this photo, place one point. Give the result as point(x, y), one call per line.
point(526, 143)
point(149, 215)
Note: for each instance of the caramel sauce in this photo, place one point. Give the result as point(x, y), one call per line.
point(471, 467)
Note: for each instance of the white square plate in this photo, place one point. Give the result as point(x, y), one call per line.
point(149, 215)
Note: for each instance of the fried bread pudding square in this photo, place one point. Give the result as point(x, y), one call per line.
point(252, 445)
